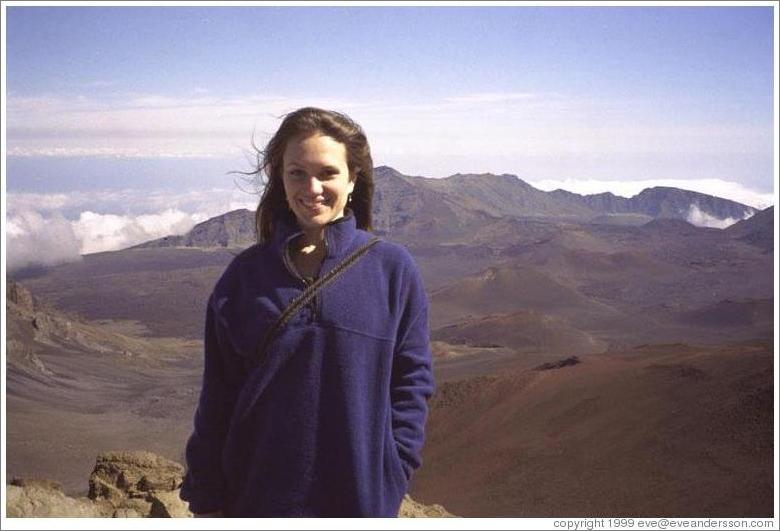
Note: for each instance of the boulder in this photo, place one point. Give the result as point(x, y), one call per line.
point(168, 505)
point(132, 485)
point(133, 474)
point(42, 483)
point(128, 507)
point(412, 509)
point(126, 512)
point(42, 502)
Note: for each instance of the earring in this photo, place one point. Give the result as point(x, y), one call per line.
point(349, 199)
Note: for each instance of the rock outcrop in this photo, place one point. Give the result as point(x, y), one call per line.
point(138, 484)
point(44, 501)
point(132, 485)
point(34, 327)
point(133, 474)
point(412, 509)
point(122, 485)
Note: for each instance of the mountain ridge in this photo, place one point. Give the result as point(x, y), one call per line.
point(405, 205)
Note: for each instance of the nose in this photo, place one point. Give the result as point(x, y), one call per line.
point(314, 185)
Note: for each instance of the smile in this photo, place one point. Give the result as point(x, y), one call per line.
point(312, 204)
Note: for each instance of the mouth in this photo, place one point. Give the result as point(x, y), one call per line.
point(312, 205)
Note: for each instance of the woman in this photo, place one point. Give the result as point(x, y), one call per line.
point(328, 419)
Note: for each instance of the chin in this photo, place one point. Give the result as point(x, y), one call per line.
point(313, 222)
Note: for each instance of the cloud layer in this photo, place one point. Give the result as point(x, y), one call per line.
point(33, 239)
point(108, 232)
point(50, 229)
point(534, 135)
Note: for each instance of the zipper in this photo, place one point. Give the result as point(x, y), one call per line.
point(290, 268)
point(314, 305)
point(294, 272)
point(317, 302)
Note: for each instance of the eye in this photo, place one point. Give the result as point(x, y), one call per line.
point(295, 172)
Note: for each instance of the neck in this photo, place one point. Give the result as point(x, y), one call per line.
point(313, 237)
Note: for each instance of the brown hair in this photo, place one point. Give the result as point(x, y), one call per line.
point(305, 122)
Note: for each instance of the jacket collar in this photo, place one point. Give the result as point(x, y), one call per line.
point(339, 234)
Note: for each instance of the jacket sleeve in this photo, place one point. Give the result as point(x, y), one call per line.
point(204, 485)
point(412, 375)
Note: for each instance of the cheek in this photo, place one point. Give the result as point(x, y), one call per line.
point(288, 190)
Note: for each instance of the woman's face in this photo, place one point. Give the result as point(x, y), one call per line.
point(316, 180)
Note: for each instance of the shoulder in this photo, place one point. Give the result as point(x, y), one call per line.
point(250, 254)
point(398, 263)
point(242, 264)
point(394, 254)
point(384, 248)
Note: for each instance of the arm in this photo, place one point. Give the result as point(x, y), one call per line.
point(204, 484)
point(412, 379)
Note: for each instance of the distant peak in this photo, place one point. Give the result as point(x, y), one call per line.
point(666, 190)
point(602, 194)
point(489, 177)
point(383, 171)
point(231, 215)
point(655, 191)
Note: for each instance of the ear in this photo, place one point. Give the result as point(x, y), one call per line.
point(353, 176)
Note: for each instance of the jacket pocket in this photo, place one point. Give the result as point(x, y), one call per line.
point(398, 476)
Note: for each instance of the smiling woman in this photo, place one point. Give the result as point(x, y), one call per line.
point(317, 182)
point(317, 361)
point(326, 145)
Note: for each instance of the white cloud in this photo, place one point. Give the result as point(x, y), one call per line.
point(37, 240)
point(539, 136)
point(48, 229)
point(716, 187)
point(701, 219)
point(144, 125)
point(485, 125)
point(109, 232)
point(133, 202)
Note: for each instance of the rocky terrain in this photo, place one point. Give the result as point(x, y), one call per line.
point(131, 484)
point(756, 230)
point(612, 282)
point(593, 354)
point(75, 388)
point(658, 430)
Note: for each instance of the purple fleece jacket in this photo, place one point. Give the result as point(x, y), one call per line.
point(333, 423)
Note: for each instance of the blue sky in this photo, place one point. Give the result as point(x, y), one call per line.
point(534, 81)
point(397, 53)
point(587, 98)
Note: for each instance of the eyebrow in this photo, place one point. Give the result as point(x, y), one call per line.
point(327, 167)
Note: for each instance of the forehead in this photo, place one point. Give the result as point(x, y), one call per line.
point(315, 149)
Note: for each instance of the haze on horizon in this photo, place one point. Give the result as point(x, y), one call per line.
point(122, 122)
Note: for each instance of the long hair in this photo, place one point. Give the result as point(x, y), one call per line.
point(305, 122)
